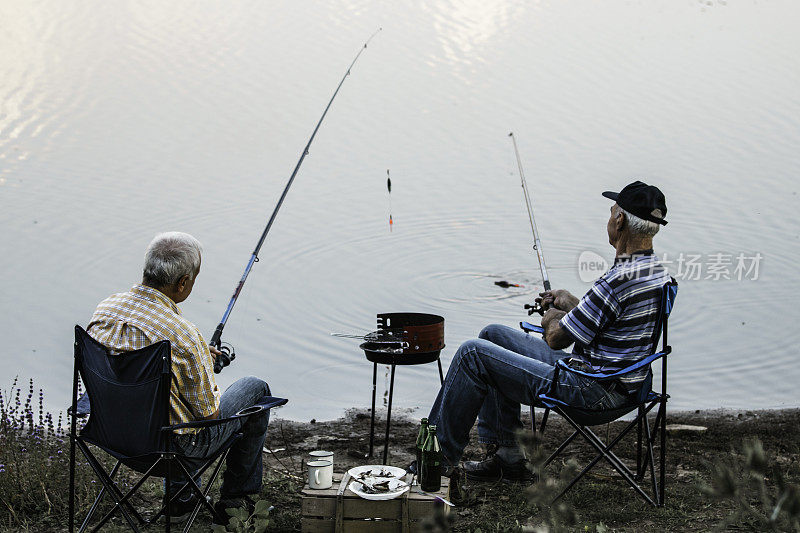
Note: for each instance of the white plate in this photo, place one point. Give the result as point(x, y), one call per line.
point(396, 488)
point(374, 471)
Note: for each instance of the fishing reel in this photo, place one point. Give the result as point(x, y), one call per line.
point(227, 354)
point(535, 308)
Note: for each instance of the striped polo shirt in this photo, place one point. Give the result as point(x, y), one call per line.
point(613, 323)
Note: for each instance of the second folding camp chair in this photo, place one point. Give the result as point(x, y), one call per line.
point(129, 419)
point(645, 401)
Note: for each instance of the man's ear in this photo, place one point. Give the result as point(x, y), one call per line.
point(182, 282)
point(620, 221)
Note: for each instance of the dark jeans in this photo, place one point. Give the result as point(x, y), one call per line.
point(243, 466)
point(491, 376)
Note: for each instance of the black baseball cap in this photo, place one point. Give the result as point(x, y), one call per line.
point(643, 200)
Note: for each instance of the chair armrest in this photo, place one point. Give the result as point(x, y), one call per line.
point(527, 327)
point(84, 408)
point(199, 424)
point(266, 403)
point(601, 376)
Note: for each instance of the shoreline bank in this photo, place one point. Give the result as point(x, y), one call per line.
point(600, 500)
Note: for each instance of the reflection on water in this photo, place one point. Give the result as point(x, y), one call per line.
point(464, 28)
point(120, 121)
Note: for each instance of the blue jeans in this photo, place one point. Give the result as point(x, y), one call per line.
point(492, 375)
point(244, 468)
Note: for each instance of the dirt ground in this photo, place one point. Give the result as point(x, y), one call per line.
point(601, 501)
point(601, 498)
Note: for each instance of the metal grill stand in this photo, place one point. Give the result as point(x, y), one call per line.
point(422, 342)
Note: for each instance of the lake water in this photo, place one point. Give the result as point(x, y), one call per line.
point(119, 120)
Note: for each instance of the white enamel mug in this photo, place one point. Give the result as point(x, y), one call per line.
point(320, 455)
point(320, 474)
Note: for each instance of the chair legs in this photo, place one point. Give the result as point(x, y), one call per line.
point(662, 476)
point(97, 500)
point(195, 488)
point(639, 469)
point(645, 454)
point(613, 460)
point(204, 494)
point(167, 489)
point(544, 420)
point(122, 501)
point(561, 448)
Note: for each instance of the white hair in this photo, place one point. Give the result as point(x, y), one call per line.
point(639, 226)
point(169, 257)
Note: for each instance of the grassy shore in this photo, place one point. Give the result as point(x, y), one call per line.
point(712, 476)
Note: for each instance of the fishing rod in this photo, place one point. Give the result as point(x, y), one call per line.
point(537, 244)
point(227, 354)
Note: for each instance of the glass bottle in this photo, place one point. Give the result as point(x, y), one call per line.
point(423, 434)
point(430, 478)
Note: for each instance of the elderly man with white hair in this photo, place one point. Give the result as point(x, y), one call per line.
point(148, 313)
point(611, 325)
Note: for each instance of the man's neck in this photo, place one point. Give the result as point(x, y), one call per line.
point(166, 291)
point(626, 247)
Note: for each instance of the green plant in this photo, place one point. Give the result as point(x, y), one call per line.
point(35, 462)
point(243, 521)
point(555, 516)
point(744, 483)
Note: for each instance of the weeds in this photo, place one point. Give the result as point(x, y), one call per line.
point(744, 483)
point(35, 458)
point(34, 469)
point(553, 517)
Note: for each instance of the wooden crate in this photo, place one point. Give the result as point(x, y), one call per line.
point(402, 515)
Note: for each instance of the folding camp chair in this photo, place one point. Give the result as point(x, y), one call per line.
point(129, 412)
point(643, 402)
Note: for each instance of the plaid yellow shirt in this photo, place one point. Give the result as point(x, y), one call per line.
point(134, 320)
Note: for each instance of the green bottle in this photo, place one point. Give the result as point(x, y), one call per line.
point(430, 478)
point(423, 434)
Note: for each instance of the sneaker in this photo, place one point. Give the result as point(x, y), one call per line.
point(221, 507)
point(493, 468)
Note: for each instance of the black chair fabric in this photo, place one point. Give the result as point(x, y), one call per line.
point(127, 387)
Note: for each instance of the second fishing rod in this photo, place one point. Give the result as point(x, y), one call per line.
point(537, 243)
point(227, 353)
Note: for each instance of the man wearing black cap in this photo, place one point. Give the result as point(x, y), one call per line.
point(611, 325)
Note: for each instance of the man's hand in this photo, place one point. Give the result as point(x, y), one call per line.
point(554, 333)
point(560, 299)
point(550, 316)
point(214, 352)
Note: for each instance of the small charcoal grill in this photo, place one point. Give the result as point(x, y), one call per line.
point(401, 339)
point(405, 339)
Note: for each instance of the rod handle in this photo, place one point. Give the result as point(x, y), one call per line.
point(216, 338)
